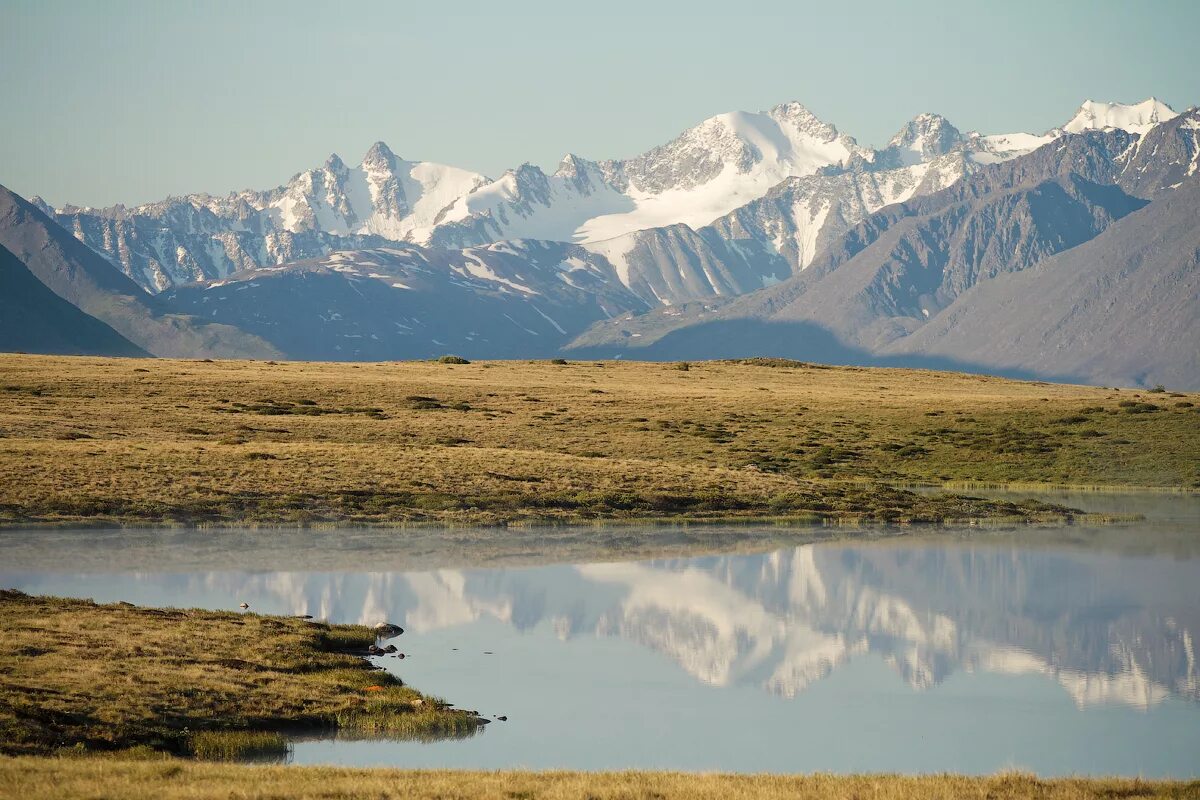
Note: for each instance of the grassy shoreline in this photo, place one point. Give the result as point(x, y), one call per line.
point(1037, 515)
point(808, 504)
point(38, 778)
point(180, 443)
point(80, 677)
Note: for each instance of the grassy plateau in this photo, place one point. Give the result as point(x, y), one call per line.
point(128, 441)
point(76, 677)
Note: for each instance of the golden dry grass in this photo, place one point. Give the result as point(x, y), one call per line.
point(105, 677)
point(160, 441)
point(38, 778)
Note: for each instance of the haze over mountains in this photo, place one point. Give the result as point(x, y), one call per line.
point(749, 234)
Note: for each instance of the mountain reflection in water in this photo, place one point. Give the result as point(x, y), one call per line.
point(1111, 629)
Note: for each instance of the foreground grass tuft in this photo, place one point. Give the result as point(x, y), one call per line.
point(427, 724)
point(237, 745)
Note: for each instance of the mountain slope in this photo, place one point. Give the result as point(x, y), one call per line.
point(518, 299)
point(674, 264)
point(911, 257)
point(704, 173)
point(887, 276)
point(770, 225)
point(512, 299)
point(74, 272)
point(923, 262)
point(34, 319)
point(1119, 309)
point(800, 217)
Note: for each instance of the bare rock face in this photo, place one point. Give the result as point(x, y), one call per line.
point(1163, 157)
point(924, 138)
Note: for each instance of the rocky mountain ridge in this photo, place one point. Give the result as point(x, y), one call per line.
point(706, 174)
point(899, 268)
point(843, 253)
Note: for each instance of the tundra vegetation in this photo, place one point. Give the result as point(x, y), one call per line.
point(136, 441)
point(77, 678)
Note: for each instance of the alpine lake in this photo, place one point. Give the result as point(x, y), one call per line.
point(1055, 650)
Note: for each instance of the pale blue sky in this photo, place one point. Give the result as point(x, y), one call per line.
point(123, 101)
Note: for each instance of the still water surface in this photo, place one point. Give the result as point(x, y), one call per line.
point(1061, 651)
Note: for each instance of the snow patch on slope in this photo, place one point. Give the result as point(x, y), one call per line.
point(616, 251)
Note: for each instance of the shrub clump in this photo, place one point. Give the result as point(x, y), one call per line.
point(1137, 407)
point(452, 360)
point(761, 361)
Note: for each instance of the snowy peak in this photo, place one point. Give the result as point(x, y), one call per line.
point(528, 174)
point(1138, 118)
point(335, 165)
point(797, 117)
point(384, 195)
point(584, 176)
point(789, 140)
point(924, 138)
point(704, 173)
point(693, 158)
point(39, 202)
point(383, 174)
point(379, 156)
point(572, 166)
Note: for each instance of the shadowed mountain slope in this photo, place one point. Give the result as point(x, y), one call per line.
point(34, 319)
point(1100, 309)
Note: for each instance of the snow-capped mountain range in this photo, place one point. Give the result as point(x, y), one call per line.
point(750, 234)
point(788, 179)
